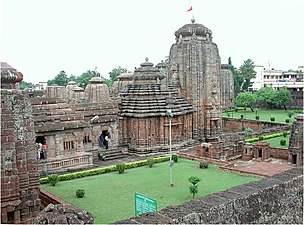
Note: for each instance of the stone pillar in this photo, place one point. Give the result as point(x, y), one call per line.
point(19, 174)
point(295, 149)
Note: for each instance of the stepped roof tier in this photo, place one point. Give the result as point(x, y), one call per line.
point(148, 98)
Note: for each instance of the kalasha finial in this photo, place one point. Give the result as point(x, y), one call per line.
point(193, 20)
point(147, 59)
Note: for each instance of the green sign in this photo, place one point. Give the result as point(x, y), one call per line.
point(144, 204)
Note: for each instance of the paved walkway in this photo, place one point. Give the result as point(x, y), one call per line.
point(271, 168)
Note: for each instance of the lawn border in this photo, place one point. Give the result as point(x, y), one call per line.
point(265, 137)
point(107, 169)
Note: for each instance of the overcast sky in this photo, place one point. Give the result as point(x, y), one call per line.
point(42, 37)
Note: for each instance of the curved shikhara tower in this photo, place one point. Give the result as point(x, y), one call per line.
point(195, 69)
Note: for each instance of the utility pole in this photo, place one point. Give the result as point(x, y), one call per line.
point(170, 116)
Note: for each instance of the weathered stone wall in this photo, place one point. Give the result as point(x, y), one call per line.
point(277, 199)
point(227, 87)
point(19, 175)
point(281, 153)
point(238, 125)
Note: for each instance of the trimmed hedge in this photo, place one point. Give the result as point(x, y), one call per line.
point(251, 140)
point(108, 169)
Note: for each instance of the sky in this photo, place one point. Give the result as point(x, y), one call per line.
point(40, 38)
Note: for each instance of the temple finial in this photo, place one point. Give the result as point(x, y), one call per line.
point(193, 20)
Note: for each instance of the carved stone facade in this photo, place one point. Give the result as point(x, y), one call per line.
point(144, 124)
point(295, 150)
point(195, 69)
point(70, 126)
point(19, 175)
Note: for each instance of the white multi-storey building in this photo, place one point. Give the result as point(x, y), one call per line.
point(292, 79)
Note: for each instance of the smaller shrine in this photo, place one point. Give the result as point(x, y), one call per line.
point(144, 106)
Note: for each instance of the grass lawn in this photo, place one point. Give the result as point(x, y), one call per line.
point(265, 114)
point(275, 142)
point(110, 197)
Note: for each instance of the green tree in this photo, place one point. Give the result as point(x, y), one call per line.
point(193, 188)
point(84, 79)
point(281, 97)
point(23, 85)
point(246, 73)
point(265, 95)
point(236, 77)
point(246, 99)
point(60, 79)
point(115, 73)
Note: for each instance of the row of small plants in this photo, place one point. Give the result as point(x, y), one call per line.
point(50, 179)
point(261, 138)
point(272, 119)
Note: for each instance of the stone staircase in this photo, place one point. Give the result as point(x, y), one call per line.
point(110, 154)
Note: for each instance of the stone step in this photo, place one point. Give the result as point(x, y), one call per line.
point(112, 154)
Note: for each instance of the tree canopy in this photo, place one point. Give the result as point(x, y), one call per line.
point(61, 79)
point(246, 73)
point(243, 75)
point(23, 85)
point(274, 98)
point(246, 99)
point(115, 73)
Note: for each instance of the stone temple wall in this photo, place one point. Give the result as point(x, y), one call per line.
point(19, 176)
point(274, 200)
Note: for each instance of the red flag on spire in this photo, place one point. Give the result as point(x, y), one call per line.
point(189, 9)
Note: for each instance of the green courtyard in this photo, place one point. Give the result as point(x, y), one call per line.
point(280, 115)
point(110, 197)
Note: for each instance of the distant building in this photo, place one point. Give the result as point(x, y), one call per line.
point(292, 79)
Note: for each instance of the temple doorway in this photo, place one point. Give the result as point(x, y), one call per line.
point(260, 153)
point(294, 159)
point(41, 147)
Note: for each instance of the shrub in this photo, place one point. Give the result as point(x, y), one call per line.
point(287, 120)
point(242, 116)
point(290, 113)
point(282, 142)
point(193, 189)
point(236, 109)
point(285, 134)
point(121, 168)
point(261, 138)
point(272, 119)
point(53, 179)
point(257, 117)
point(203, 164)
point(194, 180)
point(175, 158)
point(80, 193)
point(151, 162)
point(228, 114)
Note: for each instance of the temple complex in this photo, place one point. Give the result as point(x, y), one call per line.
point(183, 96)
point(19, 175)
point(195, 69)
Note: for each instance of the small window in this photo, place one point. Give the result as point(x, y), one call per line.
point(68, 145)
point(86, 139)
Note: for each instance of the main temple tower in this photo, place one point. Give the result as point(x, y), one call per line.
point(194, 68)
